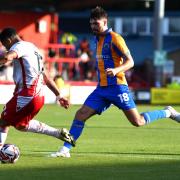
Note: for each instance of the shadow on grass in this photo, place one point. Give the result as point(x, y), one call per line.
point(80, 168)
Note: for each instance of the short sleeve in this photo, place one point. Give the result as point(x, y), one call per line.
point(119, 45)
point(19, 49)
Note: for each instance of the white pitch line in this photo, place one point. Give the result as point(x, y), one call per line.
point(144, 156)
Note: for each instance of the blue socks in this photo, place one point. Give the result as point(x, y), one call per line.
point(154, 115)
point(76, 130)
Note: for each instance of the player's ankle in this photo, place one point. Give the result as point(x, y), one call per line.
point(65, 149)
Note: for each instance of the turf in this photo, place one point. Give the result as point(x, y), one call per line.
point(110, 148)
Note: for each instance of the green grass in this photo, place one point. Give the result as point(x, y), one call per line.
point(109, 148)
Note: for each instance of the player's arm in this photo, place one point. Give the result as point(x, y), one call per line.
point(52, 86)
point(7, 57)
point(128, 63)
point(121, 48)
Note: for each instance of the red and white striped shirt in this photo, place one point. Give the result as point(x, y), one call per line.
point(27, 68)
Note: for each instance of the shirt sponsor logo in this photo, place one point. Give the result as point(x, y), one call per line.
point(101, 56)
point(106, 46)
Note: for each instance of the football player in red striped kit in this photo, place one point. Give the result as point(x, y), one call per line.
point(28, 98)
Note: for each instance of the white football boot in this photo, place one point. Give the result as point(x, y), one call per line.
point(174, 114)
point(64, 152)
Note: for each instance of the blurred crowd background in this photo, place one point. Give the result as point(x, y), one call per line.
point(61, 30)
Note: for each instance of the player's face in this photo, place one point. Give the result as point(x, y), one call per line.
point(7, 43)
point(98, 26)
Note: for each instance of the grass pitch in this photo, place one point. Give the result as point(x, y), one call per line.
point(110, 148)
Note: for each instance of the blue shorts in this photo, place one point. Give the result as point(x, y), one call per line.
point(102, 97)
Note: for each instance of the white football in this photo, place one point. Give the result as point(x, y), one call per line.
point(9, 153)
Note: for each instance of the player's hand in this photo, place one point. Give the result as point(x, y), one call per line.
point(111, 72)
point(63, 102)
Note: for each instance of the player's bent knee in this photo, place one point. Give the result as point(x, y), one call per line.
point(137, 123)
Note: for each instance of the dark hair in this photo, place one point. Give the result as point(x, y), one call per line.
point(98, 13)
point(7, 33)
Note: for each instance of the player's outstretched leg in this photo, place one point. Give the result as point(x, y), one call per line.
point(42, 128)
point(168, 112)
point(174, 114)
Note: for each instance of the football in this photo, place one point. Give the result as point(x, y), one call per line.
point(9, 153)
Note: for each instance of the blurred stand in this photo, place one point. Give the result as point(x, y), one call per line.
point(86, 64)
